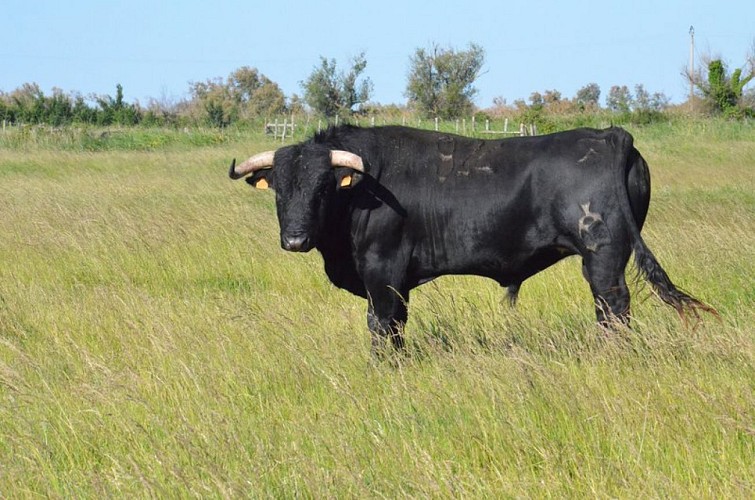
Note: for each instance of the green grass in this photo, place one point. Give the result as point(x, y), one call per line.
point(155, 341)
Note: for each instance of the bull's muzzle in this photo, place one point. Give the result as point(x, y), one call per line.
point(296, 243)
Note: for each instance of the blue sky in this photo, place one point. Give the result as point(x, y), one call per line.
point(154, 49)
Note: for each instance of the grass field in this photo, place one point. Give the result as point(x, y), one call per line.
point(155, 341)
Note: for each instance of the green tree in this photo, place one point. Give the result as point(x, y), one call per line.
point(28, 101)
point(6, 112)
point(724, 91)
point(331, 93)
point(28, 104)
point(441, 81)
point(58, 108)
point(117, 110)
point(81, 111)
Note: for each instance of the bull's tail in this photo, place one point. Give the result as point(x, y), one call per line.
point(652, 271)
point(646, 263)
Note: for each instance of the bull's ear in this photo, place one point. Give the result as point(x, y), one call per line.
point(347, 178)
point(261, 179)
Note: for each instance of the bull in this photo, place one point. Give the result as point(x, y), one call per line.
point(390, 208)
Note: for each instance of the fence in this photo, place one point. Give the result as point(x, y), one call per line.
point(280, 129)
point(459, 126)
point(287, 126)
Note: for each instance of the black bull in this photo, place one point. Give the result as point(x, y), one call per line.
point(390, 208)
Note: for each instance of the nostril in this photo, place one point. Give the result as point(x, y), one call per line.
point(295, 243)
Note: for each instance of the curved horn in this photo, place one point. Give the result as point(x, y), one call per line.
point(345, 159)
point(256, 162)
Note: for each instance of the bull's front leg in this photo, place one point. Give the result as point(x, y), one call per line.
point(386, 324)
point(386, 313)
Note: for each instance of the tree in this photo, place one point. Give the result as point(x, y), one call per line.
point(551, 97)
point(537, 100)
point(619, 99)
point(588, 96)
point(748, 99)
point(215, 102)
point(330, 93)
point(246, 93)
point(255, 94)
point(644, 101)
point(28, 101)
point(267, 100)
point(6, 112)
point(644, 106)
point(441, 80)
point(58, 108)
point(722, 90)
point(117, 110)
point(28, 104)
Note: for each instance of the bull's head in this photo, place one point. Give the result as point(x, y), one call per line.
point(304, 178)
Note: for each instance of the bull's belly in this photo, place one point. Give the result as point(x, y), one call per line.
point(505, 268)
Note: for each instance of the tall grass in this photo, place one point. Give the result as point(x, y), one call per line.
point(94, 139)
point(155, 341)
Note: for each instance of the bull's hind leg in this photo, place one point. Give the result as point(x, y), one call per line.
point(604, 271)
point(512, 293)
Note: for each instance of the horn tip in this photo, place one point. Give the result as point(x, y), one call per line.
point(232, 171)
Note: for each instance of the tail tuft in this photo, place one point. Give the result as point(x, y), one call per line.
point(666, 290)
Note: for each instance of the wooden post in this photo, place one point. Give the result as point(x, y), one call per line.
point(473, 123)
point(285, 126)
point(691, 67)
point(487, 125)
point(436, 123)
point(275, 130)
point(506, 125)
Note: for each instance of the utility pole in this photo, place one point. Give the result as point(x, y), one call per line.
point(691, 66)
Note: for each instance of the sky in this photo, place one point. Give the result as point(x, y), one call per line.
point(156, 49)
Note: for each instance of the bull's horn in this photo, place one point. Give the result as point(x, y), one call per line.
point(345, 159)
point(256, 162)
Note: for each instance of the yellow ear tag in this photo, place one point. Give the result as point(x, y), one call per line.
point(261, 184)
point(346, 181)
